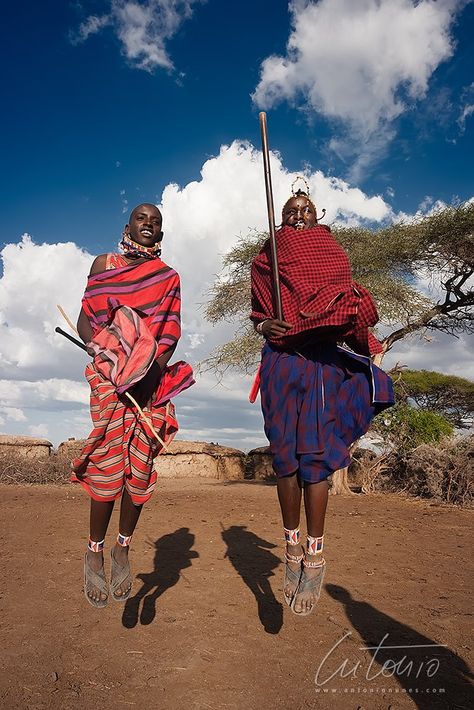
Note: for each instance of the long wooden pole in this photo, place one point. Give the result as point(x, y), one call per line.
point(271, 216)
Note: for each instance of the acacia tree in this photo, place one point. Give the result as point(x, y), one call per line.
point(395, 263)
point(450, 396)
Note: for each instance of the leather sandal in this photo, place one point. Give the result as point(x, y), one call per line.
point(97, 580)
point(291, 577)
point(310, 584)
point(119, 575)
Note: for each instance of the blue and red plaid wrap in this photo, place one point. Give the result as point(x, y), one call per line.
point(315, 404)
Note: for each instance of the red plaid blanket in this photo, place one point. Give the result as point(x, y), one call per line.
point(319, 297)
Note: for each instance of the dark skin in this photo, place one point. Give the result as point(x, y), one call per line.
point(144, 227)
point(300, 214)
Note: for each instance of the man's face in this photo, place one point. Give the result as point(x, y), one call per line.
point(299, 213)
point(145, 225)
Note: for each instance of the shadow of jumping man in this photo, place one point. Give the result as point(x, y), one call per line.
point(172, 554)
point(420, 665)
point(250, 557)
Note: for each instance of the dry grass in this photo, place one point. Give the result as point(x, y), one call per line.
point(371, 468)
point(19, 469)
point(443, 472)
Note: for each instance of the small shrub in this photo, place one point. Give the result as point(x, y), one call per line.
point(371, 468)
point(405, 428)
point(443, 471)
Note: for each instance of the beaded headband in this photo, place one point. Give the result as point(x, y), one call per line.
point(302, 193)
point(133, 249)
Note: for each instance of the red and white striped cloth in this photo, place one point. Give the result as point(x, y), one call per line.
point(121, 447)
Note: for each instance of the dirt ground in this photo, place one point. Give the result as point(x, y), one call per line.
point(206, 627)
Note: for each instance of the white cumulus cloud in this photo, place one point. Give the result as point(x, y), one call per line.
point(42, 388)
point(90, 26)
point(35, 278)
point(359, 64)
point(204, 219)
point(143, 29)
point(467, 106)
point(13, 413)
point(38, 430)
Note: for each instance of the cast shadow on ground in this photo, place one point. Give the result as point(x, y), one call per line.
point(432, 668)
point(251, 557)
point(172, 554)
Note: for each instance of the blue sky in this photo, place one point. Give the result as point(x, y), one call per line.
point(378, 96)
point(75, 111)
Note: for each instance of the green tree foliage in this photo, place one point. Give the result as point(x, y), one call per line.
point(405, 427)
point(451, 396)
point(388, 261)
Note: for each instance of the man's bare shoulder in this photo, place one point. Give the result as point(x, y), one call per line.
point(99, 264)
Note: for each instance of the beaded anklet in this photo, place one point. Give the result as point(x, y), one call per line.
point(124, 540)
point(95, 546)
point(314, 545)
point(292, 537)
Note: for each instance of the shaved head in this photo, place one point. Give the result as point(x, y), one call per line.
point(141, 206)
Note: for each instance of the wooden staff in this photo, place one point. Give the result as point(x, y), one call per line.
point(271, 216)
point(67, 319)
point(127, 394)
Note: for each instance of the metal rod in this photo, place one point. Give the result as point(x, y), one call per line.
point(71, 338)
point(271, 216)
